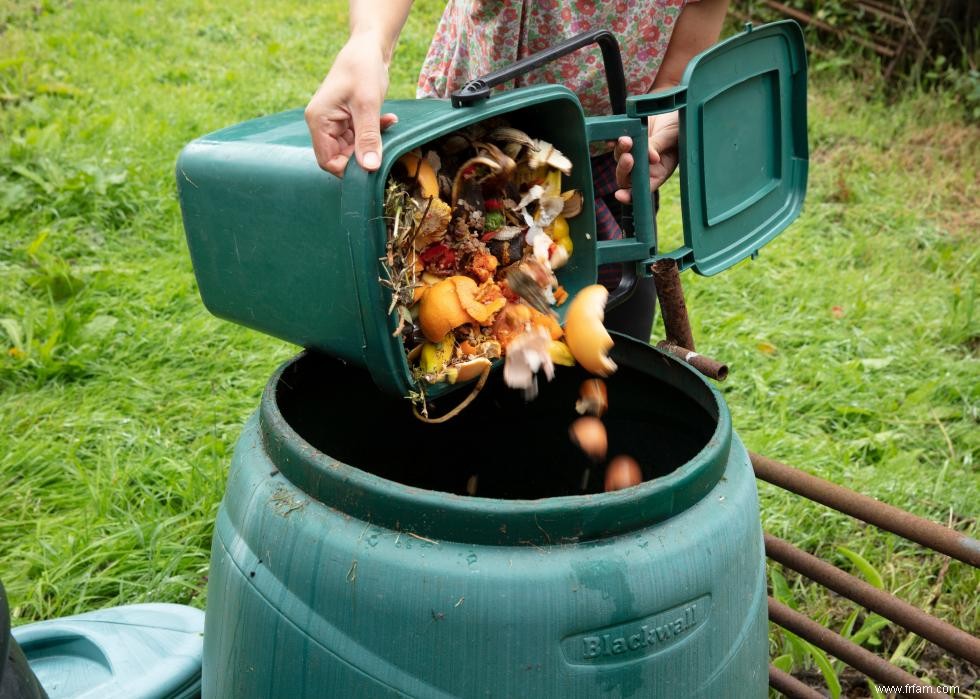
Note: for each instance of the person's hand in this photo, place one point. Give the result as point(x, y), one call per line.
point(662, 149)
point(344, 115)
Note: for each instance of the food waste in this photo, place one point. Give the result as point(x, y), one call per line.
point(477, 228)
point(589, 434)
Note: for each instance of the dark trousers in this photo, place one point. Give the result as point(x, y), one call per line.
point(634, 316)
point(17, 680)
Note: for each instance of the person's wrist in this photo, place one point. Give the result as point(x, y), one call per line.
point(371, 37)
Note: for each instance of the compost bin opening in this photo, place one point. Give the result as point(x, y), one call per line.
point(516, 449)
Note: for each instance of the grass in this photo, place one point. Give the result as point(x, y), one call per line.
point(853, 339)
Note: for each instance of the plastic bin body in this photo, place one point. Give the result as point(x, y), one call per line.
point(329, 580)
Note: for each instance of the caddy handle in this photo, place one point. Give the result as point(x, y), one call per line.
point(641, 241)
point(479, 89)
point(660, 102)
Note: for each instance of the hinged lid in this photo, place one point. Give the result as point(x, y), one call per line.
point(742, 146)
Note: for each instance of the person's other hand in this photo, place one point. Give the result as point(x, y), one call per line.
point(344, 115)
point(662, 149)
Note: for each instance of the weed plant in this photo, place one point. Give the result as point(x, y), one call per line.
point(852, 340)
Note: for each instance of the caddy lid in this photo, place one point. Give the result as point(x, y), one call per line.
point(742, 145)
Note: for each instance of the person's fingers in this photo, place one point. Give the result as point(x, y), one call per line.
point(388, 119)
point(367, 130)
point(336, 165)
point(624, 196)
point(623, 169)
point(623, 145)
point(663, 140)
point(326, 131)
point(662, 171)
point(333, 151)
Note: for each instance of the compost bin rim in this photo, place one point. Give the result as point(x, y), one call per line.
point(495, 521)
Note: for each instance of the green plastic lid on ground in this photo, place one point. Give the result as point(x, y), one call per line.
point(139, 651)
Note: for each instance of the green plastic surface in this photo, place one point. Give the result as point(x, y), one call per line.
point(743, 144)
point(138, 651)
point(283, 247)
point(355, 567)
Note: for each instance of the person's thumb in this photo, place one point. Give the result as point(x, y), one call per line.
point(367, 135)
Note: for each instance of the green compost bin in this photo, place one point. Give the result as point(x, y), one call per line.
point(283, 247)
point(349, 561)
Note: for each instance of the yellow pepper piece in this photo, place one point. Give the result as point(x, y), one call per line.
point(436, 355)
point(558, 228)
point(552, 183)
point(560, 234)
point(560, 354)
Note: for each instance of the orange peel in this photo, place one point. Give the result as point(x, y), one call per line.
point(456, 301)
point(585, 334)
point(440, 311)
point(469, 298)
point(547, 322)
point(423, 172)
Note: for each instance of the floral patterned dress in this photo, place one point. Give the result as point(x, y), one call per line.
point(476, 37)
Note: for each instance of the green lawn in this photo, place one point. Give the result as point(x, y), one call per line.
point(853, 339)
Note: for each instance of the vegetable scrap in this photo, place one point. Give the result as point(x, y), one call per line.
point(589, 434)
point(621, 473)
point(477, 227)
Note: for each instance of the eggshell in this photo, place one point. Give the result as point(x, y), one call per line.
point(590, 435)
point(593, 398)
point(622, 472)
point(467, 371)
